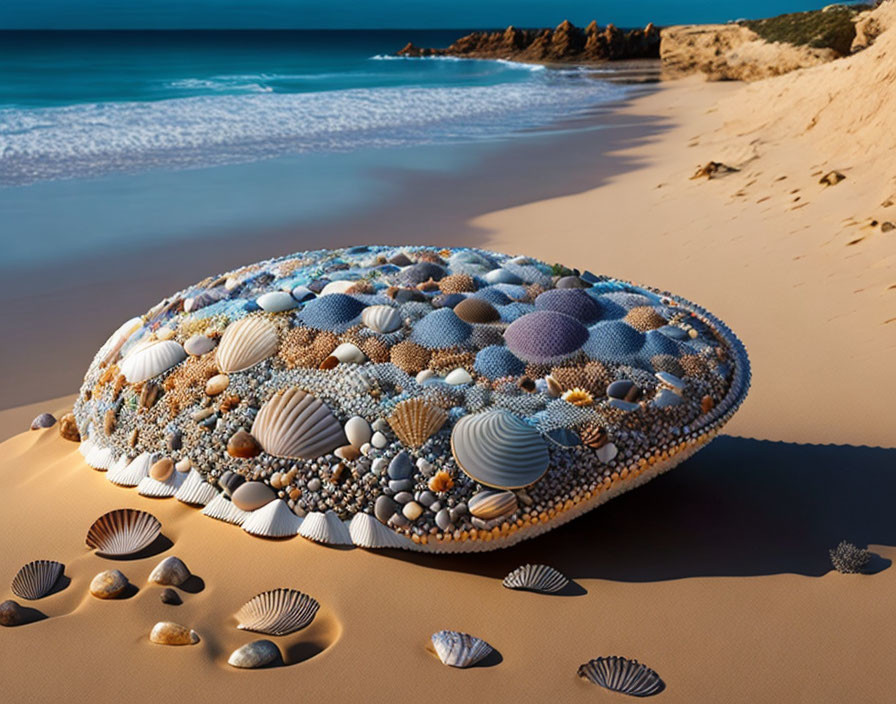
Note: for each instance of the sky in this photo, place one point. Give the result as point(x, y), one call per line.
point(374, 14)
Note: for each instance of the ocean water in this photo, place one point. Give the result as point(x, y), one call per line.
point(116, 137)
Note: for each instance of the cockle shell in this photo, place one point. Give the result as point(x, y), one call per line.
point(152, 360)
point(383, 319)
point(133, 473)
point(367, 532)
point(258, 653)
point(278, 612)
point(325, 528)
point(37, 579)
point(275, 520)
point(169, 633)
point(414, 421)
point(460, 649)
point(489, 505)
point(100, 458)
point(295, 424)
point(170, 572)
point(499, 450)
point(245, 343)
point(124, 531)
point(161, 489)
point(622, 675)
point(222, 509)
point(195, 490)
point(536, 578)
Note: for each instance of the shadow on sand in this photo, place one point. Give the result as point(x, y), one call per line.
point(739, 507)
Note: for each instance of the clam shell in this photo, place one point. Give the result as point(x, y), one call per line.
point(296, 425)
point(195, 490)
point(347, 353)
point(161, 490)
point(278, 612)
point(152, 360)
point(133, 472)
point(489, 505)
point(499, 450)
point(381, 319)
point(459, 649)
point(325, 528)
point(124, 531)
point(222, 509)
point(536, 578)
point(245, 343)
point(367, 532)
point(414, 421)
point(622, 675)
point(275, 520)
point(37, 579)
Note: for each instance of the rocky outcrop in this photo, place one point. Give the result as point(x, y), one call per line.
point(564, 44)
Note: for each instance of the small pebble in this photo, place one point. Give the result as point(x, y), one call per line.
point(44, 420)
point(170, 597)
point(68, 428)
point(170, 633)
point(253, 655)
point(11, 614)
point(162, 469)
point(108, 585)
point(243, 445)
point(217, 384)
point(412, 510)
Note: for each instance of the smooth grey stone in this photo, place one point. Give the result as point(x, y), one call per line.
point(229, 481)
point(384, 508)
point(620, 388)
point(398, 520)
point(44, 420)
point(171, 597)
point(401, 466)
point(404, 497)
point(314, 484)
point(426, 498)
point(401, 485)
point(443, 519)
point(253, 655)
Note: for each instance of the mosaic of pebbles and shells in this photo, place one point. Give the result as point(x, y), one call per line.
point(406, 397)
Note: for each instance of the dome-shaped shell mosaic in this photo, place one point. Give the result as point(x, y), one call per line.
point(380, 396)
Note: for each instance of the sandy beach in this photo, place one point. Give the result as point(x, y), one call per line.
point(716, 575)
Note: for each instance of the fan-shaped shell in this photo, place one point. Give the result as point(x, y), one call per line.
point(278, 612)
point(414, 421)
point(152, 360)
point(124, 531)
point(133, 473)
point(155, 489)
point(499, 450)
point(37, 579)
point(489, 505)
point(222, 509)
point(536, 578)
point(296, 425)
point(274, 520)
point(100, 458)
point(381, 318)
point(245, 343)
point(195, 490)
point(460, 649)
point(325, 528)
point(622, 675)
point(367, 532)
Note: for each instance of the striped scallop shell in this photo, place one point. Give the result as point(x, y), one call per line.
point(273, 520)
point(155, 489)
point(622, 675)
point(536, 578)
point(499, 450)
point(296, 425)
point(152, 360)
point(124, 531)
point(245, 343)
point(459, 649)
point(381, 318)
point(489, 505)
point(278, 612)
point(222, 509)
point(414, 421)
point(132, 473)
point(37, 579)
point(100, 458)
point(367, 532)
point(195, 490)
point(325, 528)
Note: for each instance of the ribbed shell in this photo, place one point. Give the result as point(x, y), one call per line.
point(152, 360)
point(275, 520)
point(195, 490)
point(622, 675)
point(245, 343)
point(325, 528)
point(489, 505)
point(100, 458)
point(414, 421)
point(37, 579)
point(381, 318)
point(155, 489)
point(367, 532)
point(296, 425)
point(124, 531)
point(499, 450)
point(536, 578)
point(459, 649)
point(133, 472)
point(278, 612)
point(222, 509)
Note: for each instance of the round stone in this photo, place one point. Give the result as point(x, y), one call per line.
point(108, 585)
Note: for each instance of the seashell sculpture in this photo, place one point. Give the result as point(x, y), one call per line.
point(536, 578)
point(278, 612)
point(438, 400)
point(37, 579)
point(622, 675)
point(295, 424)
point(460, 649)
point(124, 531)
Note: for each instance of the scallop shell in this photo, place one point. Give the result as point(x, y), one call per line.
point(195, 490)
point(133, 473)
point(245, 343)
point(278, 612)
point(274, 520)
point(222, 509)
point(325, 528)
point(152, 360)
point(489, 505)
point(536, 578)
point(296, 425)
point(100, 458)
point(161, 490)
point(37, 579)
point(459, 649)
point(414, 421)
point(367, 532)
point(499, 450)
point(622, 675)
point(124, 531)
point(382, 319)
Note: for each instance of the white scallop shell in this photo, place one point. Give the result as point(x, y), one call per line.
point(152, 360)
point(273, 520)
point(195, 490)
point(296, 425)
point(161, 490)
point(245, 343)
point(367, 532)
point(459, 649)
point(622, 675)
point(278, 612)
point(134, 472)
point(221, 509)
point(120, 464)
point(37, 579)
point(381, 318)
point(124, 531)
point(109, 351)
point(325, 528)
point(85, 447)
point(536, 578)
point(499, 450)
point(100, 458)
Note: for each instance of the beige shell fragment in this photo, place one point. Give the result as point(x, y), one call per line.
point(414, 421)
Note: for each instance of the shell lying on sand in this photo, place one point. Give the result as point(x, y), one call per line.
point(460, 649)
point(37, 579)
point(440, 400)
point(258, 653)
point(536, 578)
point(124, 531)
point(622, 675)
point(278, 612)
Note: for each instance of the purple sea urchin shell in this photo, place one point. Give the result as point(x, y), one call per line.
point(545, 336)
point(574, 302)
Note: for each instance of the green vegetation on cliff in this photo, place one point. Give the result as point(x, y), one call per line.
point(830, 28)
